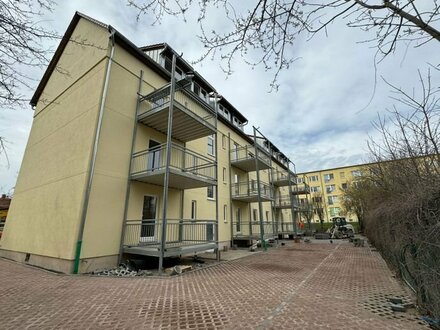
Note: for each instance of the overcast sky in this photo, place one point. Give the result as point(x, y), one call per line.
point(321, 115)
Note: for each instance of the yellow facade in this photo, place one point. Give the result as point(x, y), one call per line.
point(75, 191)
point(329, 185)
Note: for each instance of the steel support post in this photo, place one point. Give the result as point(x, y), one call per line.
point(260, 205)
point(167, 167)
point(133, 140)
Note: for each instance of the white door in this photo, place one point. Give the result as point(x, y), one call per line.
point(148, 227)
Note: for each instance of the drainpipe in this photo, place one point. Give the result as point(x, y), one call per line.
point(91, 169)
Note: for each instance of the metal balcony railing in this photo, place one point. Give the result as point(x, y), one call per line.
point(281, 178)
point(183, 160)
point(183, 99)
point(243, 157)
point(249, 190)
point(183, 232)
point(284, 201)
point(285, 227)
point(252, 229)
point(301, 189)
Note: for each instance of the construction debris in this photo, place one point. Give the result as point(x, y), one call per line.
point(178, 269)
point(123, 270)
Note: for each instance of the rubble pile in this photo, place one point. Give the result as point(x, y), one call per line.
point(123, 270)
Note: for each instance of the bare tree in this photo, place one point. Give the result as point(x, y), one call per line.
point(318, 207)
point(21, 48)
point(400, 198)
point(271, 27)
point(307, 212)
point(353, 199)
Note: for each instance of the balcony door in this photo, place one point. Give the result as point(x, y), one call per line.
point(238, 220)
point(149, 212)
point(154, 152)
point(235, 151)
point(237, 184)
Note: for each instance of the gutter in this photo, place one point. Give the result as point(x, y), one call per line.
point(91, 170)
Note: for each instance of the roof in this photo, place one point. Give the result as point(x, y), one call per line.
point(166, 48)
point(137, 52)
point(119, 38)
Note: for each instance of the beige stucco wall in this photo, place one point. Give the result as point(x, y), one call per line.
point(46, 210)
point(102, 233)
point(44, 214)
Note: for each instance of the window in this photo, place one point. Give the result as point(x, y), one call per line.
point(267, 215)
point(344, 186)
point(224, 174)
point(335, 211)
point(211, 192)
point(332, 200)
point(204, 95)
point(317, 199)
point(342, 175)
point(356, 173)
point(328, 177)
point(330, 188)
point(211, 145)
point(237, 123)
point(253, 186)
point(235, 151)
point(315, 189)
point(313, 178)
point(224, 112)
point(225, 212)
point(255, 213)
point(196, 88)
point(299, 180)
point(223, 141)
point(193, 209)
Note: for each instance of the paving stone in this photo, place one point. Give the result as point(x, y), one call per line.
point(296, 286)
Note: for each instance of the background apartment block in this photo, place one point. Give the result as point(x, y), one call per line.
point(121, 159)
point(327, 188)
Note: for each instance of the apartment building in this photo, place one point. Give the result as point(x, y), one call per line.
point(326, 189)
point(133, 152)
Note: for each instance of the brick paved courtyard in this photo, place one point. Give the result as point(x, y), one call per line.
point(297, 286)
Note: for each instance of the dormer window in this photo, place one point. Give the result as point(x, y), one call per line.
point(237, 122)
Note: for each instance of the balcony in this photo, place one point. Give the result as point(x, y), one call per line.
point(143, 237)
point(281, 179)
point(192, 117)
point(188, 169)
point(285, 228)
point(301, 189)
point(248, 192)
point(285, 202)
point(250, 230)
point(244, 159)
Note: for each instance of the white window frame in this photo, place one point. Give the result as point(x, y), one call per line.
point(328, 177)
point(193, 210)
point(212, 140)
point(213, 193)
point(223, 141)
point(255, 214)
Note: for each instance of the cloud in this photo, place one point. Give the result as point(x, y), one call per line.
point(320, 117)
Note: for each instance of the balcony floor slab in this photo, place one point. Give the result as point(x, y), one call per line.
point(178, 179)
